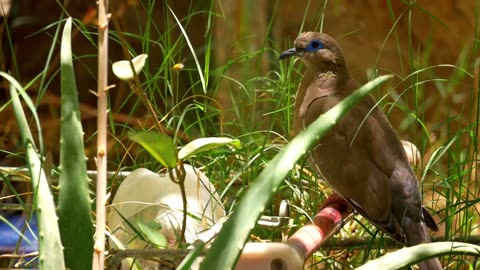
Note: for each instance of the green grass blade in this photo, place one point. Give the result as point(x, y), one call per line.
point(74, 205)
point(194, 55)
point(227, 246)
point(50, 246)
point(14, 228)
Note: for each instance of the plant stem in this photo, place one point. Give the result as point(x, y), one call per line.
point(180, 180)
point(99, 247)
point(137, 89)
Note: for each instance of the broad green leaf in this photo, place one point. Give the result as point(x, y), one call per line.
point(229, 243)
point(160, 146)
point(151, 231)
point(204, 144)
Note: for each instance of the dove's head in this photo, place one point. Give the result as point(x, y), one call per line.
point(316, 50)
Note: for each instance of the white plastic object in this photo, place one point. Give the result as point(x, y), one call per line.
point(273, 256)
point(154, 197)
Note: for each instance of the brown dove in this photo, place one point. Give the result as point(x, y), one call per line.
point(361, 158)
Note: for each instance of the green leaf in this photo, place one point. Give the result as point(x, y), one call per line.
point(49, 243)
point(230, 241)
point(150, 231)
point(160, 146)
point(410, 255)
point(204, 144)
point(74, 204)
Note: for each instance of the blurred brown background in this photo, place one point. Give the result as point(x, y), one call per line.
point(392, 36)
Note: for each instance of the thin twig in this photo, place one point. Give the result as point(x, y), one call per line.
point(19, 256)
point(138, 90)
point(99, 247)
point(172, 255)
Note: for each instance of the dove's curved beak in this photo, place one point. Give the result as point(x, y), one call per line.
point(288, 53)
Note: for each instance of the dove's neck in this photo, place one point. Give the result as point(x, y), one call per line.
point(318, 83)
point(327, 78)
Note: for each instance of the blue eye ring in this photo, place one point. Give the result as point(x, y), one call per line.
point(314, 45)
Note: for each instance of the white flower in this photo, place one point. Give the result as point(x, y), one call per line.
point(123, 71)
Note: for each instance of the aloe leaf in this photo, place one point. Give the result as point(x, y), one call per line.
point(74, 204)
point(50, 246)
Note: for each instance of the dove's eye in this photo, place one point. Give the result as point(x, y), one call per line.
point(314, 45)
